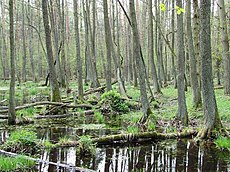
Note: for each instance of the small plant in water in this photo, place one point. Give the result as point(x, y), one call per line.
point(86, 146)
point(22, 141)
point(18, 163)
point(99, 117)
point(151, 126)
point(132, 129)
point(223, 143)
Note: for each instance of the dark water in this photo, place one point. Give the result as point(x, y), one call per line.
point(164, 156)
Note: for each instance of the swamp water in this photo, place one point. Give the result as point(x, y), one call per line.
point(162, 156)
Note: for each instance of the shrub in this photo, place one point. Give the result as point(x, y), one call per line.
point(114, 100)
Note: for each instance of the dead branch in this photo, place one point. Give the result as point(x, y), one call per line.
point(49, 103)
point(39, 161)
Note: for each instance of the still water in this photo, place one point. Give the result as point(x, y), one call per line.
point(158, 156)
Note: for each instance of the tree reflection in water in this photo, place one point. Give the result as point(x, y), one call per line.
point(167, 156)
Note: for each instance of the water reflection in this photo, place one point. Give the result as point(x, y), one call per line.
point(167, 156)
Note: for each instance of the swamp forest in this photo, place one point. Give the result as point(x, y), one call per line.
point(114, 85)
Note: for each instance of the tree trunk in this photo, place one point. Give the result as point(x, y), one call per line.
point(225, 45)
point(108, 45)
point(78, 50)
point(211, 116)
point(182, 109)
point(196, 94)
point(55, 93)
point(11, 112)
point(151, 50)
point(24, 45)
point(140, 66)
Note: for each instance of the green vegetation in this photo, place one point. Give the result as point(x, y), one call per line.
point(86, 146)
point(26, 113)
point(18, 163)
point(132, 129)
point(99, 117)
point(22, 141)
point(115, 101)
point(223, 143)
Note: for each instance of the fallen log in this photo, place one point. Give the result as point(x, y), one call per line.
point(129, 138)
point(88, 112)
point(39, 161)
point(48, 103)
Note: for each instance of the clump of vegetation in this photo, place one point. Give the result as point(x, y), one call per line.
point(22, 141)
point(18, 163)
point(132, 129)
point(86, 146)
point(112, 100)
point(223, 143)
point(99, 117)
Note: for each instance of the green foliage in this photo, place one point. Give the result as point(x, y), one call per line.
point(223, 143)
point(64, 140)
point(113, 98)
point(132, 117)
point(28, 112)
point(99, 117)
point(19, 163)
point(22, 141)
point(151, 126)
point(162, 7)
point(132, 129)
point(86, 146)
point(48, 145)
point(180, 10)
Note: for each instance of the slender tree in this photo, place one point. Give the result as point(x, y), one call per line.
point(12, 113)
point(108, 45)
point(182, 109)
point(55, 93)
point(151, 50)
point(78, 50)
point(140, 66)
point(225, 44)
point(196, 93)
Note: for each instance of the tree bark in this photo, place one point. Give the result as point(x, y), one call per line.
point(11, 111)
point(55, 93)
point(182, 109)
point(225, 45)
point(196, 93)
point(211, 116)
point(151, 51)
point(78, 50)
point(141, 70)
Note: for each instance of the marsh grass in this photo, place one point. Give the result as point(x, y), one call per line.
point(223, 143)
point(19, 163)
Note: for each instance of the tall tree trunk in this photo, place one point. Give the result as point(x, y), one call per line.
point(12, 113)
point(78, 50)
point(182, 109)
point(225, 44)
point(196, 94)
point(151, 50)
point(141, 70)
point(211, 116)
point(24, 45)
point(30, 21)
point(108, 45)
point(55, 93)
point(173, 43)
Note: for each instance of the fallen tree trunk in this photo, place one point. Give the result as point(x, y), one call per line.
point(88, 112)
point(48, 103)
point(129, 138)
point(39, 161)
